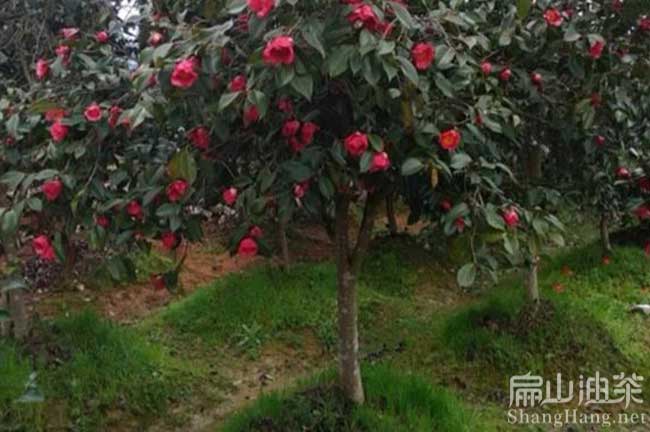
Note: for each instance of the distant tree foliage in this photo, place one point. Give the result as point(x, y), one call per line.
point(29, 29)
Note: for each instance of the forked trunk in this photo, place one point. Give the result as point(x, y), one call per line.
point(532, 283)
point(349, 369)
point(604, 234)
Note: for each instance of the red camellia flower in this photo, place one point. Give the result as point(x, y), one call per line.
point(553, 17)
point(599, 140)
point(134, 209)
point(380, 162)
point(114, 114)
point(642, 212)
point(184, 74)
point(307, 132)
point(300, 189)
point(460, 224)
point(54, 114)
point(279, 50)
point(200, 137)
point(623, 173)
point(101, 37)
point(285, 105)
point(644, 184)
point(446, 205)
point(290, 128)
point(93, 113)
point(238, 84)
point(251, 115)
point(169, 240)
point(617, 5)
point(255, 232)
point(63, 51)
point(423, 55)
point(176, 190)
point(449, 139)
point(230, 196)
point(42, 69)
point(486, 68)
point(43, 248)
point(596, 49)
point(261, 7)
point(536, 79)
point(596, 100)
point(644, 24)
point(102, 221)
point(70, 33)
point(505, 74)
point(58, 131)
point(296, 145)
point(356, 144)
point(363, 16)
point(155, 38)
point(247, 248)
point(511, 217)
point(52, 189)
point(158, 282)
point(607, 260)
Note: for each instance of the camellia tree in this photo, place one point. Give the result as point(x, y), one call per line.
point(274, 108)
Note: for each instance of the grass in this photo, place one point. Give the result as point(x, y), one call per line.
point(395, 402)
point(262, 301)
point(85, 366)
point(589, 330)
point(413, 320)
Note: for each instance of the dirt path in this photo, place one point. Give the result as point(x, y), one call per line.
point(277, 367)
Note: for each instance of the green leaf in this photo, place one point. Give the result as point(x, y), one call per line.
point(338, 60)
point(403, 15)
point(313, 39)
point(227, 99)
point(297, 171)
point(12, 179)
point(412, 166)
point(235, 7)
point(444, 85)
point(183, 166)
point(167, 210)
point(9, 221)
point(523, 8)
point(366, 160)
point(326, 187)
point(408, 70)
point(303, 85)
point(460, 160)
point(467, 275)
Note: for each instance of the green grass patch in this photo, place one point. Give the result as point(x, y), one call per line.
point(582, 329)
point(250, 307)
point(86, 366)
point(394, 402)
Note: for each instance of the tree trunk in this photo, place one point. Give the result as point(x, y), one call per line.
point(532, 283)
point(284, 243)
point(349, 369)
point(70, 260)
point(17, 313)
point(534, 160)
point(604, 234)
point(390, 214)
